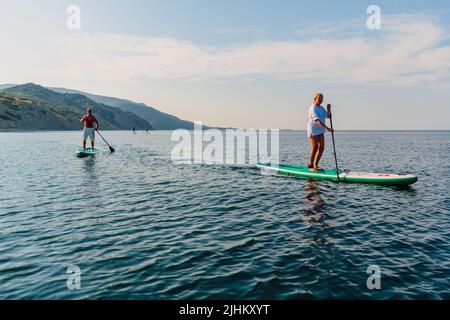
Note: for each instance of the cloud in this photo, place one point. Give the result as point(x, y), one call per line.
point(404, 52)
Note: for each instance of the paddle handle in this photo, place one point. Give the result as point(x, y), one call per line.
point(334, 147)
point(102, 137)
point(110, 148)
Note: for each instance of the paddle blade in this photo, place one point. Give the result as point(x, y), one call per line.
point(112, 149)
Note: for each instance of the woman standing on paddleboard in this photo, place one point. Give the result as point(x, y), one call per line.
point(316, 130)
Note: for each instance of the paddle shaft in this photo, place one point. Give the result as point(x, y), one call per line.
point(334, 147)
point(110, 148)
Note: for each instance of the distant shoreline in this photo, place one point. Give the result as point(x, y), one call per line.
point(281, 130)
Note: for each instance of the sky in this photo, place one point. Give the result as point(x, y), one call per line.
point(247, 64)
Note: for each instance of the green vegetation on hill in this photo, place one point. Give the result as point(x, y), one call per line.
point(159, 120)
point(32, 107)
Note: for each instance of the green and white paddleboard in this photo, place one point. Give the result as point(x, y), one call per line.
point(88, 152)
point(344, 176)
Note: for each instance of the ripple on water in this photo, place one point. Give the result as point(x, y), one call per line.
point(140, 227)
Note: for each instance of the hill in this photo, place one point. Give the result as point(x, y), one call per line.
point(32, 107)
point(158, 119)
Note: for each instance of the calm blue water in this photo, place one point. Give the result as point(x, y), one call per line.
point(140, 227)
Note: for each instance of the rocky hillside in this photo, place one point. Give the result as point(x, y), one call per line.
point(159, 120)
point(32, 107)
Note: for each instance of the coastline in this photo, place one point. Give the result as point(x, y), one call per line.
point(281, 130)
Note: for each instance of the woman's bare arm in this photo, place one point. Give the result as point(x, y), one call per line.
point(321, 124)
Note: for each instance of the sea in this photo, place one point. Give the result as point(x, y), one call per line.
point(134, 224)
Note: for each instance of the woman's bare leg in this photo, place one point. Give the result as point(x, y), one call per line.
point(314, 146)
point(320, 149)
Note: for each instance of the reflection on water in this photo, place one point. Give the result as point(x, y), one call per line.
point(88, 164)
point(90, 179)
point(88, 169)
point(316, 212)
point(405, 189)
point(315, 215)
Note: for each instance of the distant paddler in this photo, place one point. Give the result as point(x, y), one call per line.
point(89, 129)
point(316, 130)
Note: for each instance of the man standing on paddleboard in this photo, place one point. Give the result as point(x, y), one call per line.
point(316, 130)
point(89, 130)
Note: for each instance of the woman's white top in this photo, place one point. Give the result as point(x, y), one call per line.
point(316, 113)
